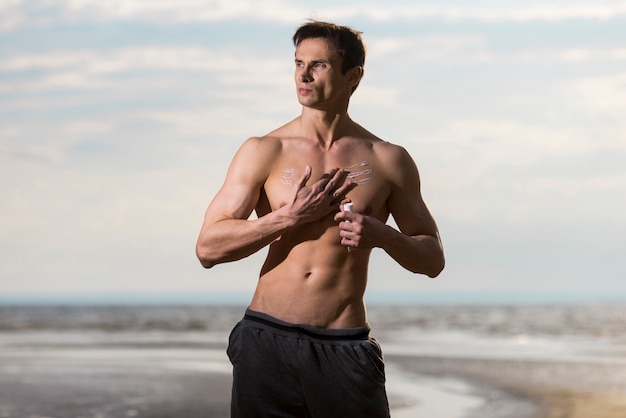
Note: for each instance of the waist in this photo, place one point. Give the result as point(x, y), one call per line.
point(324, 302)
point(306, 330)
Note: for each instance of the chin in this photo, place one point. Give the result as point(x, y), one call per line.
point(304, 102)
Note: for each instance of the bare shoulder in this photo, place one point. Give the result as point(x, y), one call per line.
point(261, 144)
point(396, 161)
point(384, 149)
point(391, 151)
point(260, 149)
point(255, 158)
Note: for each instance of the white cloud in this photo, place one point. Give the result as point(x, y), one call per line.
point(179, 11)
point(16, 14)
point(124, 59)
point(89, 127)
point(511, 142)
point(284, 11)
point(90, 69)
point(601, 95)
point(9, 131)
point(113, 154)
point(431, 47)
point(575, 187)
point(11, 16)
point(488, 167)
point(472, 48)
point(215, 122)
point(586, 54)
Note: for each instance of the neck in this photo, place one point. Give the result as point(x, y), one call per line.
point(326, 127)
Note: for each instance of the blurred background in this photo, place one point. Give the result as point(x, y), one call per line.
point(118, 120)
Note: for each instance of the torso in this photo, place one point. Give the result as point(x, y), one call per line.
point(308, 277)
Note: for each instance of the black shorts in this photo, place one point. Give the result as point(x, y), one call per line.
point(297, 371)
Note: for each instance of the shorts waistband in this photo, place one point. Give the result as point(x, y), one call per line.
point(329, 334)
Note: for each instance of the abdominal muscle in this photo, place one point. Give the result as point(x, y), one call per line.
point(315, 281)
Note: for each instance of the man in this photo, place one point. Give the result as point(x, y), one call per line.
point(303, 348)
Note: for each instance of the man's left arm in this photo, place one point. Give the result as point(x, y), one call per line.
point(416, 246)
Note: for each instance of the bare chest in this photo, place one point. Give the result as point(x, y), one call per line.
point(365, 168)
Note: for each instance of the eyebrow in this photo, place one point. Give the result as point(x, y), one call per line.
point(315, 61)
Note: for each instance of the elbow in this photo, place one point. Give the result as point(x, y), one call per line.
point(436, 268)
point(433, 268)
point(438, 262)
point(206, 257)
point(430, 261)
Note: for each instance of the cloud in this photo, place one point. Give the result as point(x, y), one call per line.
point(112, 146)
point(15, 14)
point(181, 57)
point(432, 47)
point(601, 96)
point(575, 186)
point(91, 69)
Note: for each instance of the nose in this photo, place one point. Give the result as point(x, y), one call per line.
point(304, 74)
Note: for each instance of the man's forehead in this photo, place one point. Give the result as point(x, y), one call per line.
point(316, 47)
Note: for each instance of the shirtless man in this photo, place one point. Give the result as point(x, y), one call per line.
point(303, 348)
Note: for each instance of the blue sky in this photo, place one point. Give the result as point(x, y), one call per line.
point(118, 120)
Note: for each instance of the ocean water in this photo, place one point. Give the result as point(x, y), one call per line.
point(594, 320)
point(585, 332)
point(130, 352)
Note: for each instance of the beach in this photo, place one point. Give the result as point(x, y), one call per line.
point(442, 362)
point(529, 388)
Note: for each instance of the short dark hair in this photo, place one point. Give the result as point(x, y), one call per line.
point(347, 41)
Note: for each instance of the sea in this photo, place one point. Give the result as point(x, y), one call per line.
point(120, 360)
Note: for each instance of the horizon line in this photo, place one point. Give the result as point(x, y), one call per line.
point(372, 297)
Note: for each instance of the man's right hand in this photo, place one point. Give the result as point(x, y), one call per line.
point(311, 203)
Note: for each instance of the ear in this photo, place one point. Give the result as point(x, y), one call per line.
point(356, 74)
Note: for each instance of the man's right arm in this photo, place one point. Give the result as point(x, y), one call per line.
point(228, 235)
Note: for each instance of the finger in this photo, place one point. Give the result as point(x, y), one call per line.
point(343, 202)
point(340, 181)
point(301, 183)
point(348, 242)
point(340, 177)
point(307, 174)
point(336, 180)
point(345, 219)
point(349, 217)
point(305, 177)
point(340, 193)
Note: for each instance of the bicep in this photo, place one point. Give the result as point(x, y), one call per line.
point(240, 192)
point(406, 204)
point(233, 201)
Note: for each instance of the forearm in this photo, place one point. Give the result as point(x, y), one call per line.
point(233, 239)
point(418, 254)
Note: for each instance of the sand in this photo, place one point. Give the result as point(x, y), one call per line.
point(59, 386)
point(206, 395)
point(558, 389)
point(103, 395)
point(571, 404)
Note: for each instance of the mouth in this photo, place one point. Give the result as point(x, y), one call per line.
point(304, 91)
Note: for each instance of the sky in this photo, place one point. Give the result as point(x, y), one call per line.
point(118, 119)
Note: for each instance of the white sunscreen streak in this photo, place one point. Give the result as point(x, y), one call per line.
point(355, 174)
point(289, 174)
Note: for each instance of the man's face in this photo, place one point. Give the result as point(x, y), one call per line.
point(319, 82)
